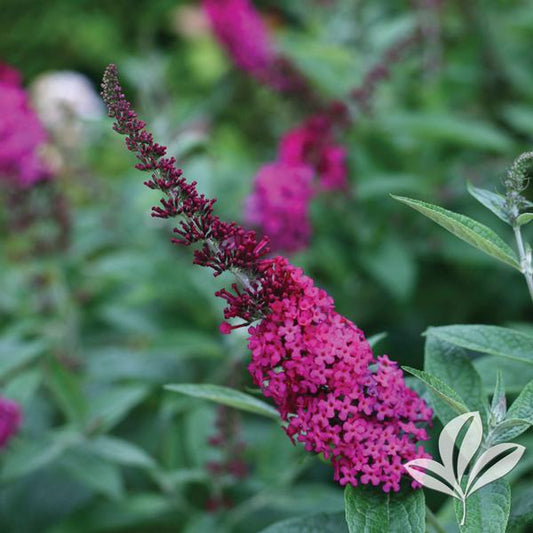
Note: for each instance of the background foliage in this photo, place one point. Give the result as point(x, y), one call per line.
point(90, 333)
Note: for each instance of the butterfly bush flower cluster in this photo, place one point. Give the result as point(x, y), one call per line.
point(315, 365)
point(335, 396)
point(10, 420)
point(240, 29)
point(21, 133)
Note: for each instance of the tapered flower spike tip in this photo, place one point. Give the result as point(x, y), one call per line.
point(110, 85)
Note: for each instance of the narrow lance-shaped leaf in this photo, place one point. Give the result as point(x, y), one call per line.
point(509, 429)
point(491, 200)
point(225, 396)
point(469, 230)
point(499, 402)
point(452, 365)
point(443, 391)
point(492, 340)
point(522, 407)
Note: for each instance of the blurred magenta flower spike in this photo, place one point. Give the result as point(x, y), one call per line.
point(21, 133)
point(313, 144)
point(279, 204)
point(309, 161)
point(317, 367)
point(10, 420)
point(239, 27)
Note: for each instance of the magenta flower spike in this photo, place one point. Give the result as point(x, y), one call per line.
point(21, 133)
point(239, 27)
point(279, 204)
point(10, 420)
point(331, 392)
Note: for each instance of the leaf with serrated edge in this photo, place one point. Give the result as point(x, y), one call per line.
point(497, 470)
point(467, 229)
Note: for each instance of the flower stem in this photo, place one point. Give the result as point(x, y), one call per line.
point(525, 259)
point(433, 521)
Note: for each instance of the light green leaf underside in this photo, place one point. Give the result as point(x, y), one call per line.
point(469, 230)
point(492, 340)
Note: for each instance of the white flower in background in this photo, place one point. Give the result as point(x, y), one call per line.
point(66, 101)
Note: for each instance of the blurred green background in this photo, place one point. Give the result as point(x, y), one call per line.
point(95, 325)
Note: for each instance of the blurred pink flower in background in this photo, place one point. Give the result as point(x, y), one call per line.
point(240, 28)
point(10, 420)
point(308, 162)
point(21, 133)
point(279, 204)
point(313, 144)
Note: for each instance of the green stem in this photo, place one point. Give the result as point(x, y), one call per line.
point(433, 521)
point(525, 259)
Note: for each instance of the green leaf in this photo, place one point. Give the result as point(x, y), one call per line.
point(467, 229)
point(112, 405)
point(515, 374)
point(400, 280)
point(451, 364)
point(226, 396)
point(140, 511)
point(15, 354)
point(492, 340)
point(487, 510)
point(370, 510)
point(524, 218)
point(23, 387)
point(317, 523)
point(508, 430)
point(119, 451)
point(522, 407)
point(447, 128)
point(66, 388)
point(491, 200)
point(521, 509)
point(26, 456)
point(94, 473)
point(376, 339)
point(441, 390)
point(498, 408)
